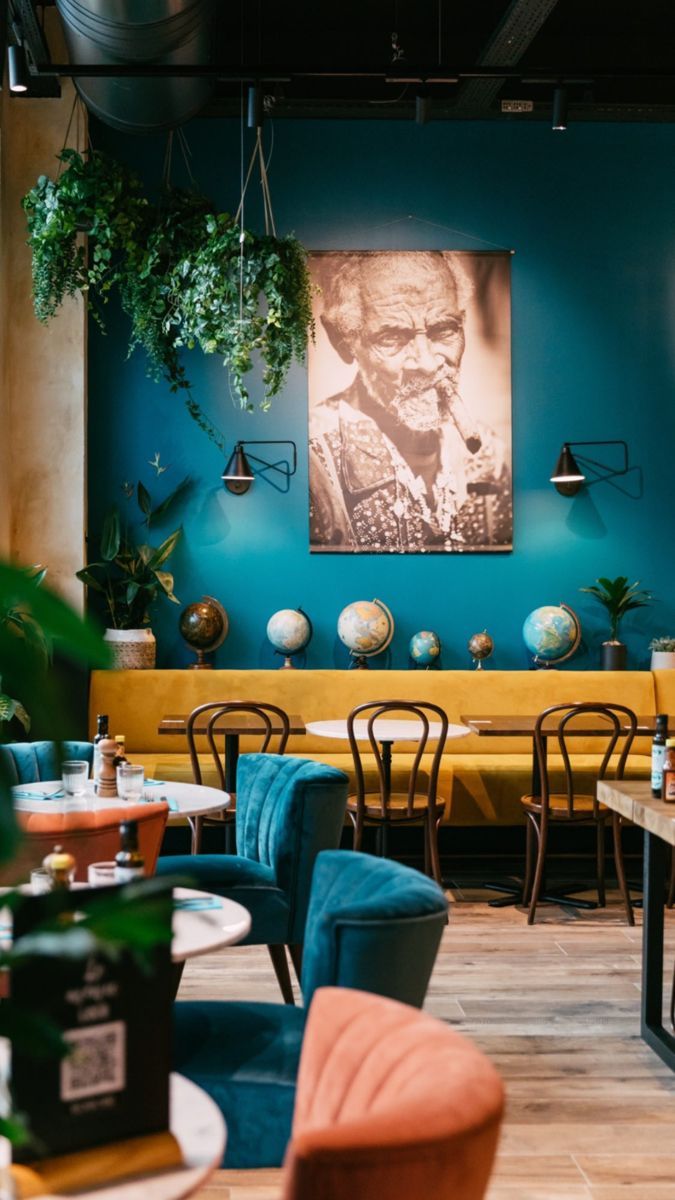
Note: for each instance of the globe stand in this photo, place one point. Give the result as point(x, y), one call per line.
point(359, 663)
point(287, 664)
point(201, 664)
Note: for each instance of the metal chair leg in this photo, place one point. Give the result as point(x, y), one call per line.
point(295, 951)
point(529, 860)
point(432, 839)
point(280, 964)
point(620, 870)
point(542, 836)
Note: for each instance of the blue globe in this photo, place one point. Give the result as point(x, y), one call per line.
point(424, 648)
point(551, 633)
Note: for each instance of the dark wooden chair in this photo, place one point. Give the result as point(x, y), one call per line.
point(419, 802)
point(571, 805)
point(272, 739)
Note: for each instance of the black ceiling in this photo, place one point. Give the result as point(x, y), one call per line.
point(370, 58)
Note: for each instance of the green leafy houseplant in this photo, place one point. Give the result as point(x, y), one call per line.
point(186, 276)
point(130, 574)
point(18, 621)
point(663, 645)
point(618, 597)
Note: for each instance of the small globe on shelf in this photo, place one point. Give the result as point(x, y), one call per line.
point(552, 634)
point(425, 648)
point(290, 632)
point(480, 647)
point(204, 625)
point(366, 627)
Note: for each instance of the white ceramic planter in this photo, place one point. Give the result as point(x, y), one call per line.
point(663, 660)
point(131, 649)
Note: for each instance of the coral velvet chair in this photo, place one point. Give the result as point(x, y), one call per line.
point(91, 836)
point(372, 924)
point(288, 809)
point(390, 1103)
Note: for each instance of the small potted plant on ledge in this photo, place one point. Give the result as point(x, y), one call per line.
point(663, 653)
point(618, 597)
point(131, 574)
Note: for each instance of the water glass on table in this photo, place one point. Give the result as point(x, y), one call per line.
point(130, 782)
point(74, 776)
point(101, 874)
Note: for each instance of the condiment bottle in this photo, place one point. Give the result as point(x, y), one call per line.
point(60, 866)
point(668, 791)
point(129, 862)
point(101, 733)
point(658, 753)
point(121, 756)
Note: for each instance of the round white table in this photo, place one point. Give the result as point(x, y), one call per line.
point(197, 1124)
point(206, 923)
point(186, 800)
point(387, 732)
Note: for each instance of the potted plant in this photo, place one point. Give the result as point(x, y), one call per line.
point(663, 653)
point(617, 597)
point(131, 574)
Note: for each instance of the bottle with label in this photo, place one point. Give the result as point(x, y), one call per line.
point(658, 752)
point(121, 756)
point(101, 733)
point(668, 790)
point(129, 862)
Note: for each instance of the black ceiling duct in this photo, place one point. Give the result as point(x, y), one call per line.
point(124, 32)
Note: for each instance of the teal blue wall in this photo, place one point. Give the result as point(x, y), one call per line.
point(590, 215)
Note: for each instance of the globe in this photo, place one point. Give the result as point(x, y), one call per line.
point(480, 646)
point(552, 634)
point(366, 627)
point(289, 631)
point(204, 626)
point(424, 648)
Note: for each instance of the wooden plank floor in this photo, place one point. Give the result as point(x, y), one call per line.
point(590, 1110)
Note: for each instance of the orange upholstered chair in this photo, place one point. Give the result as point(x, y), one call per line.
point(91, 836)
point(390, 1103)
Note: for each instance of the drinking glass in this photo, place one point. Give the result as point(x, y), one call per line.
point(74, 776)
point(130, 782)
point(40, 881)
point(101, 874)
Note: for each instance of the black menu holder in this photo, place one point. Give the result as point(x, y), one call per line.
point(115, 1014)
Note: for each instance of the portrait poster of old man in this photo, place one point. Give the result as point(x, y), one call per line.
point(410, 403)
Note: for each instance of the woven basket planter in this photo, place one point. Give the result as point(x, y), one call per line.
point(131, 649)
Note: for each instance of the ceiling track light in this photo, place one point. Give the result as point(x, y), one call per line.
point(256, 106)
point(559, 119)
point(17, 68)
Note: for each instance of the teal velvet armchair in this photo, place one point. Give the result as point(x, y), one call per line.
point(372, 924)
point(288, 809)
point(30, 762)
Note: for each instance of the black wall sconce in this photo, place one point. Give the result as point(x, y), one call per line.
point(570, 470)
point(239, 474)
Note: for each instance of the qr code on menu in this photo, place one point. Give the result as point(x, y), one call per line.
point(96, 1063)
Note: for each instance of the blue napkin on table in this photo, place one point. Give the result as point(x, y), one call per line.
point(196, 904)
point(57, 795)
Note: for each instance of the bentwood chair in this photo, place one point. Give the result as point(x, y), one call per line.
point(216, 758)
point(390, 1103)
point(572, 806)
point(384, 807)
point(372, 924)
point(289, 809)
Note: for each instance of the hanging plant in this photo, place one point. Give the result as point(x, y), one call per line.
point(186, 275)
point(94, 195)
point(238, 297)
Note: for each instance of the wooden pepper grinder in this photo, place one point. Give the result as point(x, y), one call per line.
point(106, 784)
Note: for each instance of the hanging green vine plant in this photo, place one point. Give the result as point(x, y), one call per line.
point(186, 275)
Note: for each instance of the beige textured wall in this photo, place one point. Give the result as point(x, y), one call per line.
point(42, 369)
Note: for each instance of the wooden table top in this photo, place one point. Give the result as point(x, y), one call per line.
point(633, 799)
point(234, 723)
point(523, 726)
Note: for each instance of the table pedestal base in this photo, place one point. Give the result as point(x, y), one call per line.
point(513, 894)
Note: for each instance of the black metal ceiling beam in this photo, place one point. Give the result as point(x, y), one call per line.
point(431, 75)
point(512, 36)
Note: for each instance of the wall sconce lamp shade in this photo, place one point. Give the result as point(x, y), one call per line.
point(568, 476)
point(559, 119)
point(17, 68)
point(239, 474)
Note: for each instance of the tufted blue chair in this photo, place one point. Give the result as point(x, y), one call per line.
point(288, 809)
point(373, 925)
point(30, 762)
